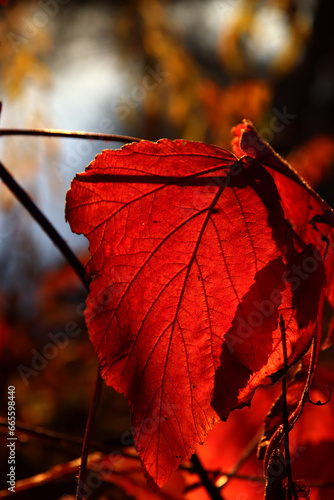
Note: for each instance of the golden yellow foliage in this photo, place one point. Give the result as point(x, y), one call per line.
point(24, 44)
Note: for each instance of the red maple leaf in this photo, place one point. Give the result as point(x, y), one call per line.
point(190, 267)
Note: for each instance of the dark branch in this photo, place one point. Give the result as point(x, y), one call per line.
point(45, 224)
point(285, 416)
point(212, 490)
point(88, 436)
point(68, 133)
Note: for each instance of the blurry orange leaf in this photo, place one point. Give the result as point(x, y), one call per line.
point(314, 160)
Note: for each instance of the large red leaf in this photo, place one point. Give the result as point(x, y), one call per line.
point(186, 241)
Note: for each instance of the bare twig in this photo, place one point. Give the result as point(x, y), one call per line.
point(57, 472)
point(76, 265)
point(88, 435)
point(68, 133)
point(212, 490)
point(58, 438)
point(45, 224)
point(285, 416)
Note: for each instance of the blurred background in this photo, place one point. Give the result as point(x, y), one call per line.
point(150, 69)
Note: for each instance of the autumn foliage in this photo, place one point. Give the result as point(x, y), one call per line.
point(213, 277)
point(206, 297)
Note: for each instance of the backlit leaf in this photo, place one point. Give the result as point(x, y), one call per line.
point(187, 244)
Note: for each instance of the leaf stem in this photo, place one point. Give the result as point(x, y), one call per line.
point(48, 132)
point(212, 490)
point(285, 416)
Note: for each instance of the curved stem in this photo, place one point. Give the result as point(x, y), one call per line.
point(40, 218)
point(49, 132)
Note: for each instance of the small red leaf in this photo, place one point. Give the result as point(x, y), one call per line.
point(300, 203)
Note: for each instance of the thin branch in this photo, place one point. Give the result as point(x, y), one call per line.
point(292, 493)
point(246, 453)
point(88, 435)
point(229, 475)
point(40, 218)
point(62, 471)
point(197, 179)
point(234, 472)
point(258, 479)
point(76, 265)
point(212, 490)
point(68, 133)
point(59, 471)
point(64, 439)
point(55, 437)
